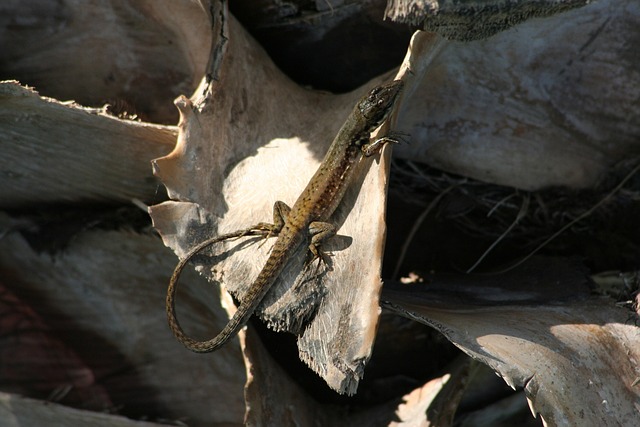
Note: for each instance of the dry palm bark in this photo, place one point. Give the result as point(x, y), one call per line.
point(506, 110)
point(113, 153)
point(225, 174)
point(575, 355)
point(524, 108)
point(98, 293)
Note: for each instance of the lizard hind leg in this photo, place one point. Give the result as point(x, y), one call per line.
point(280, 213)
point(320, 232)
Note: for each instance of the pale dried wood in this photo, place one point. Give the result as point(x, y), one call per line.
point(268, 386)
point(252, 137)
point(576, 356)
point(18, 411)
point(436, 402)
point(550, 102)
point(142, 53)
point(103, 296)
point(293, 103)
point(63, 153)
point(473, 19)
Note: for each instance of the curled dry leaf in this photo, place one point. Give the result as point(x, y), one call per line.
point(252, 137)
point(436, 402)
point(576, 356)
point(550, 102)
point(242, 129)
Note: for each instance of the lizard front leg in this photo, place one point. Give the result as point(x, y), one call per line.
point(374, 147)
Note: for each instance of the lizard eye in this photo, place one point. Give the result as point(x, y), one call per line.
point(362, 141)
point(376, 105)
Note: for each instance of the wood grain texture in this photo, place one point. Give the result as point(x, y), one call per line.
point(103, 297)
point(248, 139)
point(19, 411)
point(466, 20)
point(574, 354)
point(63, 153)
point(549, 102)
point(142, 53)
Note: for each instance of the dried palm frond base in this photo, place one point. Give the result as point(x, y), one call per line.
point(551, 102)
point(471, 257)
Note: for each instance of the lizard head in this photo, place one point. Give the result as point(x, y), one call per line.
point(376, 106)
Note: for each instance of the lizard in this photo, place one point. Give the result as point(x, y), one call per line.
point(307, 217)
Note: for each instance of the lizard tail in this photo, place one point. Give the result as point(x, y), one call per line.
point(244, 311)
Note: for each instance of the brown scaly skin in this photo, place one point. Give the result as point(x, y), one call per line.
point(315, 205)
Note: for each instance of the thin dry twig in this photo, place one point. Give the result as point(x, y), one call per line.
point(521, 214)
point(579, 218)
point(416, 226)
